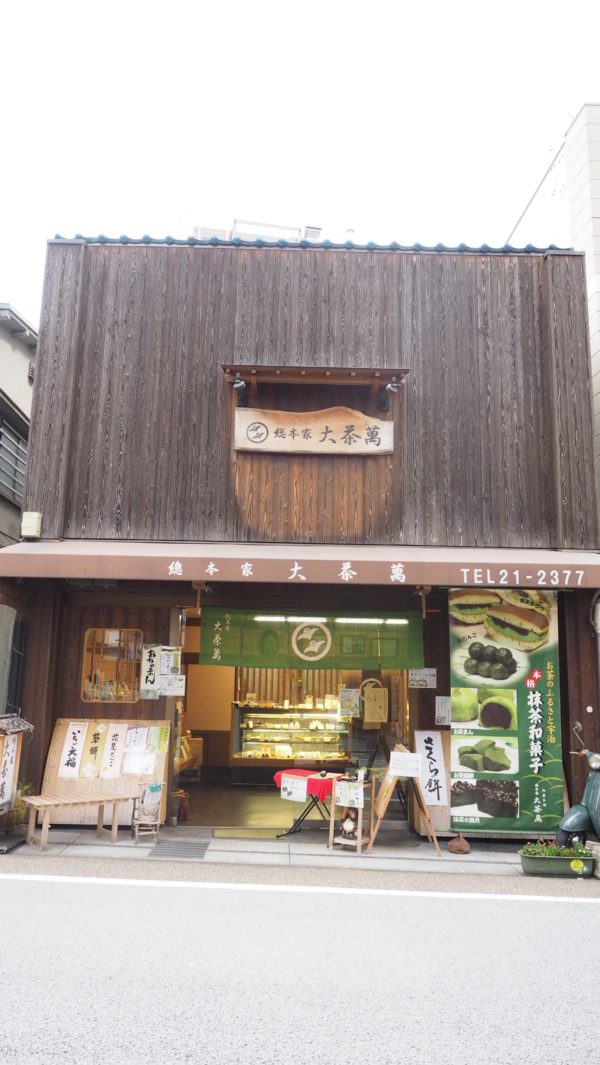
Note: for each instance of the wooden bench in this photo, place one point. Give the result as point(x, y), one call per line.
point(46, 804)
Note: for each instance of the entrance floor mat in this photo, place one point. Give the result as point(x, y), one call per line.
point(248, 833)
point(179, 851)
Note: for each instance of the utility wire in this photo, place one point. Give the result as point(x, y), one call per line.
point(532, 198)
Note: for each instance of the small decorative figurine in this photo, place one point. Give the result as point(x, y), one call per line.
point(350, 824)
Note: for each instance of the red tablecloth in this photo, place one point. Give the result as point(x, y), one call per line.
point(320, 787)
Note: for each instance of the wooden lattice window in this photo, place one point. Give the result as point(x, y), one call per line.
point(111, 665)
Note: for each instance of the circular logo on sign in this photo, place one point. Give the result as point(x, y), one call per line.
point(577, 865)
point(257, 432)
point(311, 641)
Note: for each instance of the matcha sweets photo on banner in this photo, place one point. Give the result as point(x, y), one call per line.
point(506, 757)
point(336, 641)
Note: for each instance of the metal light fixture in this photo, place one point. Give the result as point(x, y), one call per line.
point(383, 398)
point(239, 387)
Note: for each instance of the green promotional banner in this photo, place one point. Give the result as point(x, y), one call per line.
point(506, 757)
point(360, 641)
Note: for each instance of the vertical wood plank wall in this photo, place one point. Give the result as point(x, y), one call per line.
point(493, 423)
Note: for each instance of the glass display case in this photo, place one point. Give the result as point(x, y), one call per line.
point(297, 735)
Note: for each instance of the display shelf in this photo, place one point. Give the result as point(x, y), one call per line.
point(297, 735)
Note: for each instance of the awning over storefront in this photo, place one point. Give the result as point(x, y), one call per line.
point(301, 563)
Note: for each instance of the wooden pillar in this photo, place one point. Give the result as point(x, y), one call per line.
point(578, 683)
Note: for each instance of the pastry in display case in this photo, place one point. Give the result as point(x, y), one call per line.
point(296, 734)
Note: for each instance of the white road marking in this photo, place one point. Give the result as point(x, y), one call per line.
point(196, 885)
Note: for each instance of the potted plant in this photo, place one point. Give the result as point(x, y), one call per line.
point(545, 858)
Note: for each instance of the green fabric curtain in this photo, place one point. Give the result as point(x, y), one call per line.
point(359, 641)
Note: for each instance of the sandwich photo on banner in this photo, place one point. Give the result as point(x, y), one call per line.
point(506, 770)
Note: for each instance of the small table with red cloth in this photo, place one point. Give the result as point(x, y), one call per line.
point(318, 788)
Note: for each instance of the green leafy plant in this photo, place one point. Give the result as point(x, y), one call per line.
point(548, 848)
point(16, 816)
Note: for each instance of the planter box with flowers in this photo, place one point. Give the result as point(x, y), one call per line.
point(546, 858)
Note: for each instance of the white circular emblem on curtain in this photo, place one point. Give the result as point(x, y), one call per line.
point(311, 642)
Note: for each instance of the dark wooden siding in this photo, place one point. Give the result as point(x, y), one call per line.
point(131, 431)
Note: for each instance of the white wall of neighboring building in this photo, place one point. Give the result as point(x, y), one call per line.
point(565, 210)
point(18, 341)
point(14, 370)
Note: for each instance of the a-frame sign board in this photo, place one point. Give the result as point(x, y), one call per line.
point(382, 802)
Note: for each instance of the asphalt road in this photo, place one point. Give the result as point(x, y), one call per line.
point(97, 970)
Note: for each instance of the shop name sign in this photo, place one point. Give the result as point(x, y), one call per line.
point(334, 431)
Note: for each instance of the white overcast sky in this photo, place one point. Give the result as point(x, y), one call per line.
point(424, 121)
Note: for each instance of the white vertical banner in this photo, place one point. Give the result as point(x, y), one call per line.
point(433, 768)
point(7, 772)
point(114, 749)
point(72, 751)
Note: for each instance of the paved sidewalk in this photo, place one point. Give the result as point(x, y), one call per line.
point(397, 851)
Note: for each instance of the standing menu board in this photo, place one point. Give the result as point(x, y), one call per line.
point(506, 758)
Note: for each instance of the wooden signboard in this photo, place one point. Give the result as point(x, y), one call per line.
point(335, 431)
point(383, 799)
point(99, 756)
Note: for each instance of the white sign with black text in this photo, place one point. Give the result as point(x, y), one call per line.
point(433, 768)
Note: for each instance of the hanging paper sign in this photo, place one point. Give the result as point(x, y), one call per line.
point(114, 748)
point(422, 678)
point(334, 431)
point(293, 788)
point(442, 710)
point(433, 769)
point(137, 738)
point(7, 772)
point(350, 702)
point(72, 751)
point(349, 793)
point(93, 751)
point(173, 685)
point(375, 701)
point(158, 738)
point(139, 762)
point(149, 686)
point(170, 661)
point(404, 764)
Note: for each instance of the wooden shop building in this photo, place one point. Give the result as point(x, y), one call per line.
point(306, 437)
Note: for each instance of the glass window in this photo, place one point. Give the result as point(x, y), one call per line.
point(13, 460)
point(111, 665)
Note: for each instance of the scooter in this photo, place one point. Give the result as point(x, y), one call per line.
point(584, 816)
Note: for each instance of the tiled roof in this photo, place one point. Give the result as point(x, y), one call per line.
point(258, 242)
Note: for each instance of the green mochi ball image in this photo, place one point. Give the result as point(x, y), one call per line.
point(498, 712)
point(464, 704)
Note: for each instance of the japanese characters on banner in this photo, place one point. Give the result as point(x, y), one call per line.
point(72, 751)
point(506, 757)
point(161, 671)
point(433, 770)
point(104, 750)
point(7, 772)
